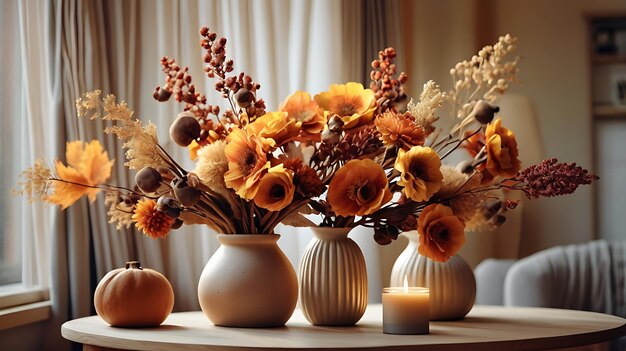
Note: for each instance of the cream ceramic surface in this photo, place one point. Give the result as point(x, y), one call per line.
point(248, 282)
point(333, 279)
point(452, 284)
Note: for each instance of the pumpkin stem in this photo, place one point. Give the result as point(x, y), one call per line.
point(133, 264)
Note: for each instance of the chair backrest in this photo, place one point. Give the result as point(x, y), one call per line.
point(490, 274)
point(590, 276)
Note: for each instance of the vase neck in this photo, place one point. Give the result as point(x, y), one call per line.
point(247, 239)
point(329, 233)
point(412, 235)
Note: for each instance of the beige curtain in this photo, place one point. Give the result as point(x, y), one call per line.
point(116, 46)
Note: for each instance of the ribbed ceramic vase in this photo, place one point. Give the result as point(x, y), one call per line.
point(333, 279)
point(248, 282)
point(452, 284)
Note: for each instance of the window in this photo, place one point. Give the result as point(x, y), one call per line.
point(22, 299)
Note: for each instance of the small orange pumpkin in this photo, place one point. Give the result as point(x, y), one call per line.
point(134, 297)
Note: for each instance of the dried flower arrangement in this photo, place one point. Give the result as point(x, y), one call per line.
point(353, 156)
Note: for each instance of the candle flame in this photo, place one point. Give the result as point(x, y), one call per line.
point(406, 284)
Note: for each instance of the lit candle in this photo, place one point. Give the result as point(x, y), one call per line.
point(405, 310)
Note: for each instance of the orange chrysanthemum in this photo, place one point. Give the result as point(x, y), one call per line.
point(502, 154)
point(420, 172)
point(354, 104)
point(302, 108)
point(399, 129)
point(276, 189)
point(275, 129)
point(246, 163)
point(150, 221)
point(441, 233)
point(88, 164)
point(358, 188)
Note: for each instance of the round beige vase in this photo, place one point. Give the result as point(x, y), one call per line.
point(333, 279)
point(248, 282)
point(452, 284)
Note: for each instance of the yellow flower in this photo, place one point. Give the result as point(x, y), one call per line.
point(246, 163)
point(88, 164)
point(150, 221)
point(398, 129)
point(441, 233)
point(420, 173)
point(358, 188)
point(354, 104)
point(276, 189)
point(502, 154)
point(275, 129)
point(302, 108)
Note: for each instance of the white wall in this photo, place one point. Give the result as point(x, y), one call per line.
point(555, 75)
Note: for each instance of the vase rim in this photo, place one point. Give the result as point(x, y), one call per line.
point(247, 238)
point(331, 233)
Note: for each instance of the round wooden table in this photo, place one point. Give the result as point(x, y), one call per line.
point(485, 328)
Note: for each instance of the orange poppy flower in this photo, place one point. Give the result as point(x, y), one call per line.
point(246, 163)
point(276, 189)
point(502, 154)
point(150, 221)
point(420, 172)
point(354, 104)
point(302, 108)
point(441, 233)
point(358, 188)
point(274, 129)
point(88, 164)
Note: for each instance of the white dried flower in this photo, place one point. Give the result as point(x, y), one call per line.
point(424, 111)
point(212, 164)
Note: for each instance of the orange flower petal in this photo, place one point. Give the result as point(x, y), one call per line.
point(276, 189)
point(150, 221)
point(502, 153)
point(441, 232)
point(358, 188)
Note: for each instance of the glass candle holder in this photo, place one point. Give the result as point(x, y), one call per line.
point(405, 310)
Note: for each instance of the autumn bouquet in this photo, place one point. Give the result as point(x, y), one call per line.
point(347, 157)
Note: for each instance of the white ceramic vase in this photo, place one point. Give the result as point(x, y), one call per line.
point(333, 279)
point(452, 284)
point(248, 282)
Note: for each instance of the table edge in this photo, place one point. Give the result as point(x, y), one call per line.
point(562, 341)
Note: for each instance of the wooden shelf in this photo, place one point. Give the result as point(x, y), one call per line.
point(605, 59)
point(609, 112)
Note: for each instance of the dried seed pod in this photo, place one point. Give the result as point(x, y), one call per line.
point(335, 124)
point(497, 220)
point(483, 112)
point(173, 212)
point(161, 94)
point(244, 98)
point(185, 194)
point(465, 167)
point(385, 235)
point(165, 202)
point(185, 129)
point(177, 224)
point(148, 179)
point(330, 138)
